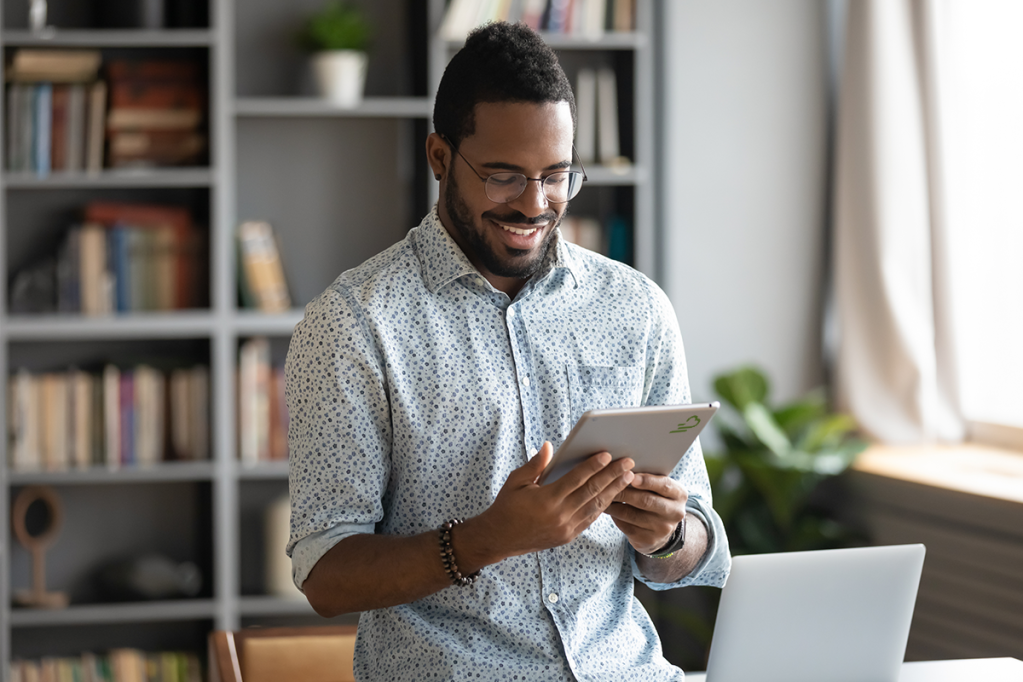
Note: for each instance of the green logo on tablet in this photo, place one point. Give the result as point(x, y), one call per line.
point(690, 423)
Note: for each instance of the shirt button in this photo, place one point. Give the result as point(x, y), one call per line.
point(552, 598)
point(532, 452)
point(525, 381)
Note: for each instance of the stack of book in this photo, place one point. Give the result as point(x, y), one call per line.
point(55, 111)
point(119, 665)
point(587, 18)
point(114, 417)
point(157, 113)
point(122, 258)
point(596, 133)
point(262, 413)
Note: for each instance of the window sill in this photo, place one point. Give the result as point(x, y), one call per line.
point(968, 468)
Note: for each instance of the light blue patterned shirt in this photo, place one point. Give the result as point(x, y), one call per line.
point(415, 388)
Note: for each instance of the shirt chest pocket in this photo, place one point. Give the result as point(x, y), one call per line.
point(593, 388)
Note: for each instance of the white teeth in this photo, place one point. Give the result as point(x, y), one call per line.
point(517, 230)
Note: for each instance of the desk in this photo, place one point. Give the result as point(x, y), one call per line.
point(966, 670)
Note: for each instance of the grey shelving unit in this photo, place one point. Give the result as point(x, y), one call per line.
point(339, 186)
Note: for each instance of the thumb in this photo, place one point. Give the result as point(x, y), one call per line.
point(531, 470)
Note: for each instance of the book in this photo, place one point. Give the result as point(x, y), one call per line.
point(95, 127)
point(56, 66)
point(253, 401)
point(126, 408)
point(81, 392)
point(58, 128)
point(262, 281)
point(133, 289)
point(15, 94)
point(112, 415)
point(153, 119)
point(24, 422)
point(54, 422)
point(199, 414)
point(42, 127)
point(93, 275)
point(154, 147)
point(156, 112)
point(608, 149)
point(586, 115)
point(278, 415)
point(76, 121)
point(624, 13)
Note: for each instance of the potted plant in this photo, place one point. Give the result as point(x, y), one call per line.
point(767, 489)
point(338, 36)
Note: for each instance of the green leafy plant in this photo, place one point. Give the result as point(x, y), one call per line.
point(774, 459)
point(337, 26)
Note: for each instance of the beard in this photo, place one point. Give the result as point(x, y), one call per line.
point(515, 263)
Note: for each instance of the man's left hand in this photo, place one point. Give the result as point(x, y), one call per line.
point(649, 510)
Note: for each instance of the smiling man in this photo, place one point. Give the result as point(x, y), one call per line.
point(426, 387)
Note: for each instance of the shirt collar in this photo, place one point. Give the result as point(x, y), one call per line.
point(442, 260)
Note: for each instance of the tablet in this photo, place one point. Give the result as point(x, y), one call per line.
point(655, 437)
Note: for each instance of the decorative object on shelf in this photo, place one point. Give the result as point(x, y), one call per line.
point(36, 517)
point(150, 576)
point(37, 11)
point(277, 519)
point(338, 36)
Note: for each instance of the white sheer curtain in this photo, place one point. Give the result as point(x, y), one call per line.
point(928, 247)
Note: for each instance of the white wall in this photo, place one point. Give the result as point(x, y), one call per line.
point(745, 109)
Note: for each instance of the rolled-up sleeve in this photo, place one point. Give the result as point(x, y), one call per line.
point(339, 432)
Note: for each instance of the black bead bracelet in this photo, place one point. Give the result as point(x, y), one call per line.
point(447, 556)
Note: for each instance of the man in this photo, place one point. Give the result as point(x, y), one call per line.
point(427, 385)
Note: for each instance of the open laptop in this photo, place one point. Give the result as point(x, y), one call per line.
point(839, 615)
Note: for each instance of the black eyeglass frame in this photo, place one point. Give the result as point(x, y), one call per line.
point(575, 155)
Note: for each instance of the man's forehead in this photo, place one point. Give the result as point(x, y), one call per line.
point(522, 127)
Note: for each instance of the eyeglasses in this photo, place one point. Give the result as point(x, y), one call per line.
point(558, 187)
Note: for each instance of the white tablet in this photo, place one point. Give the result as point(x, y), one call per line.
point(655, 437)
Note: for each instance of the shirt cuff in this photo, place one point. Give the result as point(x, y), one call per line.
point(715, 563)
point(311, 548)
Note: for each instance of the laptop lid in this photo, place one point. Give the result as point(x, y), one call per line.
point(838, 615)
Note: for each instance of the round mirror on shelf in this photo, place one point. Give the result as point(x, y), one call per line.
point(36, 518)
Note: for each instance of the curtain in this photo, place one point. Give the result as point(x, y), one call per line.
point(896, 360)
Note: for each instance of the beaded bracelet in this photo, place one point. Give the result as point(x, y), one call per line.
point(447, 556)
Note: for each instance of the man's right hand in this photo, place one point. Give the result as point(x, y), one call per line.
point(368, 571)
point(526, 517)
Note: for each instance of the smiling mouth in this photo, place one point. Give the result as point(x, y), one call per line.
point(524, 231)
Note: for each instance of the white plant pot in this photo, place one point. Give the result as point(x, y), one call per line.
point(341, 76)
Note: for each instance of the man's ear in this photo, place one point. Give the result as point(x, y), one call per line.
point(438, 154)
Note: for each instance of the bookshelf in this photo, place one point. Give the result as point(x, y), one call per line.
point(339, 185)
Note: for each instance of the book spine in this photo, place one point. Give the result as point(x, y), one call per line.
point(127, 409)
point(43, 126)
point(112, 415)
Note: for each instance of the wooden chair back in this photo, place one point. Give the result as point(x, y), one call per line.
point(302, 654)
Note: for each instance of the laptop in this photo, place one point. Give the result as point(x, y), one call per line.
point(838, 615)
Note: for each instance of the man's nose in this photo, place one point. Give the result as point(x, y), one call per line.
point(532, 202)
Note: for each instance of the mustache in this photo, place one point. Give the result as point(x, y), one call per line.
point(517, 218)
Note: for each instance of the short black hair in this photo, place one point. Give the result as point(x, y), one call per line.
point(501, 62)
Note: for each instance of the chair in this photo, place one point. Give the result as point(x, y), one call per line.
point(299, 654)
